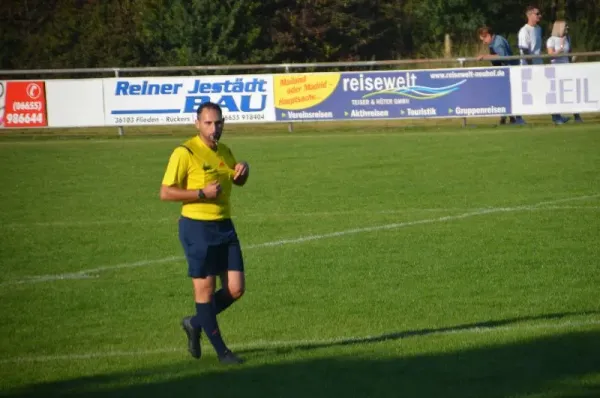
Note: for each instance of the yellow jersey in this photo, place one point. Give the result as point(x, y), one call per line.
point(194, 165)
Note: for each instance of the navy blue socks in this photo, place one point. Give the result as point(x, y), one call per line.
point(206, 317)
point(222, 300)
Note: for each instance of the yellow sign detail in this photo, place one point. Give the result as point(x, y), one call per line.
point(302, 91)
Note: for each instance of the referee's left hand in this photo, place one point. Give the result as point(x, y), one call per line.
point(241, 169)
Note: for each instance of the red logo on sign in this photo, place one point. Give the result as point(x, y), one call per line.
point(25, 104)
point(33, 91)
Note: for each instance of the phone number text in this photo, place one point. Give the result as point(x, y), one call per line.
point(244, 116)
point(27, 106)
point(24, 118)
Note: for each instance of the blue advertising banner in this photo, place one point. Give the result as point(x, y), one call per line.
point(465, 92)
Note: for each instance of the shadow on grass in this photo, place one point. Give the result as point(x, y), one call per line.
point(565, 365)
point(468, 327)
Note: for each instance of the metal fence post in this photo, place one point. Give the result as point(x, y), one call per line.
point(119, 128)
point(290, 124)
point(461, 61)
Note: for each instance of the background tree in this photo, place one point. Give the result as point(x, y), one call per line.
point(109, 33)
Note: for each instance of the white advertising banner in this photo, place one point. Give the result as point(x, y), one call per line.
point(555, 88)
point(74, 103)
point(2, 102)
point(174, 100)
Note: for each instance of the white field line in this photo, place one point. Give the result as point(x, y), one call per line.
point(89, 223)
point(84, 274)
point(88, 273)
point(291, 344)
point(242, 216)
point(173, 220)
point(570, 207)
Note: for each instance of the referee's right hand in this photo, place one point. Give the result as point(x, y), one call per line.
point(212, 190)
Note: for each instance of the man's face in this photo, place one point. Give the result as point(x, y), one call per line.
point(210, 125)
point(535, 15)
point(486, 39)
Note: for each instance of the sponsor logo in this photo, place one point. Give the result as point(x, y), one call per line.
point(560, 91)
point(241, 94)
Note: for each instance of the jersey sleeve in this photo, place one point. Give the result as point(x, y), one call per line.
point(550, 43)
point(177, 168)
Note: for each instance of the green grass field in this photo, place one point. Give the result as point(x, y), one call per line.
point(438, 262)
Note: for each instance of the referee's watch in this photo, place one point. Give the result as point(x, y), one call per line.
point(201, 194)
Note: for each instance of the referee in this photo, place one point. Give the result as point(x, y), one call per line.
point(200, 174)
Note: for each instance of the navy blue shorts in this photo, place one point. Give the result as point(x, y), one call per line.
point(211, 247)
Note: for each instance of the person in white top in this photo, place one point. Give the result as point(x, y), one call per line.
point(560, 43)
point(530, 36)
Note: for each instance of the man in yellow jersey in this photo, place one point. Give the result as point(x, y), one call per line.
point(200, 174)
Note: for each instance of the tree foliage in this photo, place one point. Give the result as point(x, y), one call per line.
point(107, 33)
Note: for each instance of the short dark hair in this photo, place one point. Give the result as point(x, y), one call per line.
point(530, 8)
point(208, 105)
point(485, 30)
